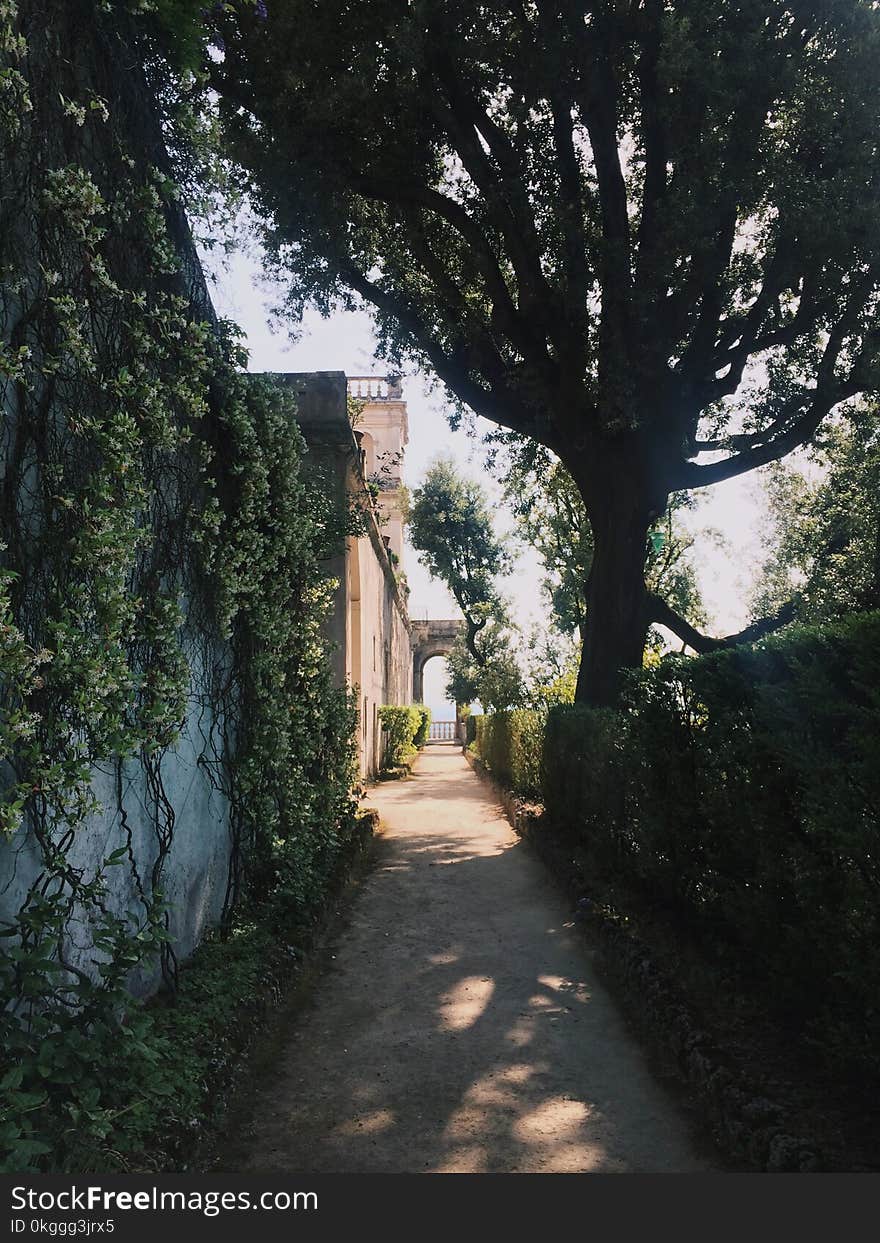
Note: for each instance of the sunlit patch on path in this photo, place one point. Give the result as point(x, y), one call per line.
point(461, 1028)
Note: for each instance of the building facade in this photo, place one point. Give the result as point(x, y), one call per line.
point(358, 447)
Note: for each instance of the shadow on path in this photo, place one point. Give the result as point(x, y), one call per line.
point(461, 1026)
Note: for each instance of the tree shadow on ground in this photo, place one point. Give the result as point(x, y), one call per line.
point(459, 1028)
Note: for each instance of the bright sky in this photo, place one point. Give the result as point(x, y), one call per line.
point(345, 342)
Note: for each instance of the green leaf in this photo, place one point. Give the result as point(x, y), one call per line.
point(12, 1078)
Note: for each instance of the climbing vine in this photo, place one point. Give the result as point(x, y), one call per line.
point(161, 565)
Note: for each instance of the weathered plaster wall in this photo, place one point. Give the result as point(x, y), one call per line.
point(195, 872)
point(369, 625)
point(81, 59)
point(385, 659)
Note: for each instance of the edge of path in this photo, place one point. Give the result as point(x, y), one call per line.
point(286, 999)
point(759, 1119)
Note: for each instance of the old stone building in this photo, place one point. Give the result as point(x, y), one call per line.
point(361, 454)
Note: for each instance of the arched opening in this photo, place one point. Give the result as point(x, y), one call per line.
point(368, 448)
point(432, 641)
point(435, 675)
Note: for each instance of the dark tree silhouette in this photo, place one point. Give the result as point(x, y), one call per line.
point(643, 233)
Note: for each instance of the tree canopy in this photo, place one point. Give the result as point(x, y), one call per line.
point(450, 526)
point(823, 541)
point(644, 234)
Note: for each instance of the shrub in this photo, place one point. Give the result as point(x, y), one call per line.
point(421, 735)
point(742, 791)
point(510, 744)
point(401, 724)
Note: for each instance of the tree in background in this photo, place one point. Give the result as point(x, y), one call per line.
point(643, 234)
point(450, 526)
point(823, 548)
point(551, 517)
point(497, 682)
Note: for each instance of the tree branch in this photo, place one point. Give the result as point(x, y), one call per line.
point(594, 54)
point(499, 404)
point(691, 475)
point(663, 614)
point(571, 214)
point(465, 118)
point(503, 314)
point(789, 431)
point(412, 193)
point(712, 258)
point(653, 136)
point(576, 197)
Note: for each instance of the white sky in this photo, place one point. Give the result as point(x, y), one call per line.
point(345, 342)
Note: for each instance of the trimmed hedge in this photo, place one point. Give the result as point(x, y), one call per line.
point(403, 726)
point(509, 744)
point(742, 791)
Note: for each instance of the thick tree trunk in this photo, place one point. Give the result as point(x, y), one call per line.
point(617, 617)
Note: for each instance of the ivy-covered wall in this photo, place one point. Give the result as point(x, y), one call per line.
point(172, 748)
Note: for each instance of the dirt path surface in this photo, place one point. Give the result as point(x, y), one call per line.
point(461, 1026)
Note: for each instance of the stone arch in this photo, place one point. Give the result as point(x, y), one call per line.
point(368, 449)
point(430, 638)
point(419, 672)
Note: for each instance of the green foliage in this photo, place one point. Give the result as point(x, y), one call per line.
point(183, 29)
point(823, 542)
point(450, 525)
point(645, 236)
point(293, 766)
point(509, 744)
point(401, 724)
point(424, 729)
point(740, 792)
point(162, 562)
point(103, 388)
point(552, 518)
point(496, 680)
point(557, 690)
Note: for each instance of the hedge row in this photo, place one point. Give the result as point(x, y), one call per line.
point(509, 744)
point(741, 793)
point(405, 729)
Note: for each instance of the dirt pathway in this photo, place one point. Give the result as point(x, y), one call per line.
point(461, 1026)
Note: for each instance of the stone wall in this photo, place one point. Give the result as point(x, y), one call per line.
point(170, 816)
point(80, 58)
point(369, 626)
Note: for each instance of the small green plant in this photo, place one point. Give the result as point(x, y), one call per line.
point(400, 725)
point(424, 729)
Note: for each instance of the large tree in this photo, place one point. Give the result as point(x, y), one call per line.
point(643, 233)
point(551, 517)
